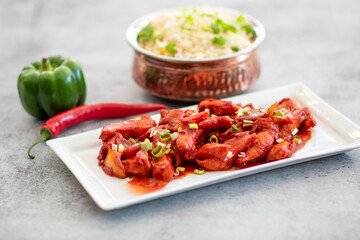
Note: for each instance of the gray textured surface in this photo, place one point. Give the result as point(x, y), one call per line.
point(316, 42)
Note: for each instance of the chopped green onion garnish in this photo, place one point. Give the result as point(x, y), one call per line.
point(241, 154)
point(279, 113)
point(146, 33)
point(248, 121)
point(220, 41)
point(167, 151)
point(114, 147)
point(297, 140)
point(189, 20)
point(132, 140)
point(185, 28)
point(158, 151)
point(199, 172)
point(230, 154)
point(137, 119)
point(193, 126)
point(232, 28)
point(225, 27)
point(180, 169)
point(234, 129)
point(160, 143)
point(235, 49)
point(170, 48)
point(165, 139)
point(121, 148)
point(146, 145)
point(241, 19)
point(280, 140)
point(207, 110)
point(247, 124)
point(207, 15)
point(205, 29)
point(164, 133)
point(213, 137)
point(240, 113)
point(295, 131)
point(216, 28)
point(174, 136)
point(246, 26)
point(249, 30)
point(246, 109)
point(179, 129)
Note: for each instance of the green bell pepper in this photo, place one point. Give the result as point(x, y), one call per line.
point(52, 86)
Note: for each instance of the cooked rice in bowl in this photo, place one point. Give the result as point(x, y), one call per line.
point(196, 34)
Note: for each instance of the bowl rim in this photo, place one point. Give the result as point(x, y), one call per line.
point(136, 26)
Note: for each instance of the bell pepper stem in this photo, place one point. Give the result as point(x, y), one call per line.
point(46, 64)
point(45, 135)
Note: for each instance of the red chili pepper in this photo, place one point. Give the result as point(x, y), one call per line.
point(64, 120)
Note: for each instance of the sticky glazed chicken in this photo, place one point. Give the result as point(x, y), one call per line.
point(221, 135)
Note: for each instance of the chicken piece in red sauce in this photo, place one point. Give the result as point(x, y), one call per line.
point(194, 118)
point(162, 168)
point(171, 118)
point(240, 141)
point(218, 107)
point(288, 104)
point(138, 164)
point(112, 164)
point(213, 156)
point(186, 143)
point(299, 116)
point(266, 124)
point(281, 150)
point(131, 128)
point(259, 148)
point(130, 149)
point(216, 156)
point(214, 123)
point(252, 115)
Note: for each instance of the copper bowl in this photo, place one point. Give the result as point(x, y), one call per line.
point(195, 79)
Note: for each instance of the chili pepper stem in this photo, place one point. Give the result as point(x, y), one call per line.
point(46, 64)
point(45, 135)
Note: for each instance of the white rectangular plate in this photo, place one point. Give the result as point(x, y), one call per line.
point(79, 151)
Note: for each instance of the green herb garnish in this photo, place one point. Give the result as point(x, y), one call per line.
point(249, 30)
point(220, 41)
point(216, 28)
point(234, 129)
point(158, 151)
point(146, 33)
point(170, 48)
point(235, 49)
point(279, 113)
point(189, 20)
point(226, 27)
point(246, 26)
point(241, 19)
point(164, 133)
point(213, 137)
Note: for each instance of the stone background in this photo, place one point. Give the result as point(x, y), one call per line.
point(316, 42)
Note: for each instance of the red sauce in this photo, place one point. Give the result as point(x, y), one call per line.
point(189, 169)
point(146, 184)
point(305, 136)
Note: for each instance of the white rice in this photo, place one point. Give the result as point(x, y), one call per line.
point(194, 39)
